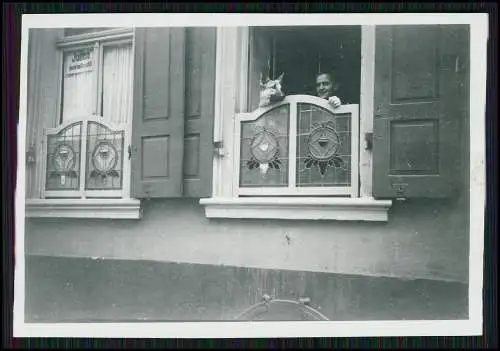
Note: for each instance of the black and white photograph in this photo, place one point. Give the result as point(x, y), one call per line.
point(249, 175)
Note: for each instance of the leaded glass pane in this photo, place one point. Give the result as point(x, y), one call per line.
point(63, 159)
point(104, 158)
point(323, 147)
point(264, 150)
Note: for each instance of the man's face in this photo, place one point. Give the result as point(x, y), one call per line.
point(324, 86)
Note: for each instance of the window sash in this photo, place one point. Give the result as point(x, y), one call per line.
point(96, 79)
point(105, 39)
point(292, 188)
point(99, 40)
point(82, 192)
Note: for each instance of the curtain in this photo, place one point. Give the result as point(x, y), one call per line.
point(117, 83)
point(80, 77)
point(80, 83)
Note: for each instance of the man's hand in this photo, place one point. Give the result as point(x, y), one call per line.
point(334, 101)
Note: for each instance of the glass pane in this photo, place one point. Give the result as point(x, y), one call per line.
point(264, 150)
point(323, 147)
point(63, 159)
point(117, 83)
point(104, 158)
point(79, 83)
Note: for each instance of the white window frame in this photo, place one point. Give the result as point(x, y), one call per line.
point(82, 192)
point(292, 189)
point(231, 98)
point(113, 204)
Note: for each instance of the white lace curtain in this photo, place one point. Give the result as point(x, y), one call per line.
point(80, 87)
point(117, 83)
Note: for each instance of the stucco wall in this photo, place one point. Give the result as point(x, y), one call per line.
point(84, 290)
point(423, 239)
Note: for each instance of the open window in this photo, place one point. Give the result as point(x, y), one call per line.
point(301, 146)
point(404, 108)
point(303, 52)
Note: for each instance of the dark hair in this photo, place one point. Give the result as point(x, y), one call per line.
point(330, 74)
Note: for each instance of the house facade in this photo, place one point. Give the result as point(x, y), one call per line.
point(158, 189)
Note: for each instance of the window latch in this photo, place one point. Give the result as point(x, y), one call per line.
point(400, 189)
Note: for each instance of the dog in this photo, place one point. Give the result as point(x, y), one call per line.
point(270, 90)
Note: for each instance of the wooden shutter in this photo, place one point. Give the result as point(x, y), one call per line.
point(158, 120)
point(200, 91)
point(260, 62)
point(419, 103)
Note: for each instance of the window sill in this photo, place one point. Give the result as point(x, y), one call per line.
point(342, 209)
point(83, 208)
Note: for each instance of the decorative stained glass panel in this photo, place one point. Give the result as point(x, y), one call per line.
point(104, 158)
point(264, 149)
point(63, 159)
point(323, 147)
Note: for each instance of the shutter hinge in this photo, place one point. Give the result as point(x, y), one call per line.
point(129, 152)
point(30, 156)
point(218, 147)
point(369, 141)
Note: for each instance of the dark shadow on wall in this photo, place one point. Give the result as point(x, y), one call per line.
point(85, 290)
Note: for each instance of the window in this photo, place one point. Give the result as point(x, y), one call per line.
point(318, 153)
point(97, 80)
point(301, 146)
point(85, 154)
point(301, 159)
point(85, 162)
point(84, 159)
point(331, 49)
point(133, 119)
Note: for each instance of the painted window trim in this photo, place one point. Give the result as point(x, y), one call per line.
point(314, 208)
point(124, 207)
point(231, 98)
point(102, 36)
point(84, 208)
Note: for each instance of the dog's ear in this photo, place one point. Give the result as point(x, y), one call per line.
point(280, 78)
point(263, 80)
